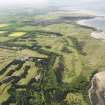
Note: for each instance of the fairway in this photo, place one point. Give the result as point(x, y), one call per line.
point(47, 59)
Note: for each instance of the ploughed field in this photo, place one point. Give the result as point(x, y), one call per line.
point(48, 61)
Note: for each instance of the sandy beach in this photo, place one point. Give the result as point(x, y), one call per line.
point(98, 35)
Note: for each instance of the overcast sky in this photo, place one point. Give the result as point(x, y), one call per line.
point(42, 3)
point(5, 2)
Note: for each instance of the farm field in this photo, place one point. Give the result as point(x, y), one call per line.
point(48, 61)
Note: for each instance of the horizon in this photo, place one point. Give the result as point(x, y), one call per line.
point(52, 52)
point(96, 6)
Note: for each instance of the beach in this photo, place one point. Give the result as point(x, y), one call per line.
point(98, 35)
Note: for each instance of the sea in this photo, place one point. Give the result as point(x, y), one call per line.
point(93, 6)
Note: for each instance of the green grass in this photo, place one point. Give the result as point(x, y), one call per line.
point(48, 16)
point(4, 92)
point(28, 28)
point(30, 53)
point(32, 73)
point(3, 25)
point(76, 65)
point(6, 56)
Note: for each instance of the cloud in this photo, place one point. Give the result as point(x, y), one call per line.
point(36, 3)
point(44, 3)
point(90, 0)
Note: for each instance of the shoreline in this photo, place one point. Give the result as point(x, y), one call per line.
point(97, 33)
point(82, 23)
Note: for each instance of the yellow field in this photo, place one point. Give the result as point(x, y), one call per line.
point(3, 25)
point(17, 34)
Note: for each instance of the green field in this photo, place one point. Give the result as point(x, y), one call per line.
point(47, 63)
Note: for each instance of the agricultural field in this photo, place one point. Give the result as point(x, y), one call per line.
point(49, 62)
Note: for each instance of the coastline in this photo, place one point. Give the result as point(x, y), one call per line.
point(97, 33)
point(83, 24)
point(94, 92)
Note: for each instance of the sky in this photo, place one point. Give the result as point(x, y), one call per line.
point(45, 3)
point(23, 2)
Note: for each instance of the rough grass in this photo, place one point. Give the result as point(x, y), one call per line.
point(6, 56)
point(3, 25)
point(72, 61)
point(32, 73)
point(53, 42)
point(2, 32)
point(30, 53)
point(76, 64)
point(28, 28)
point(4, 92)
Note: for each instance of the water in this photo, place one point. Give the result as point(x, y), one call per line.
point(97, 6)
point(94, 6)
point(97, 23)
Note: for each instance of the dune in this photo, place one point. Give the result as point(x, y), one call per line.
point(97, 90)
point(98, 35)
